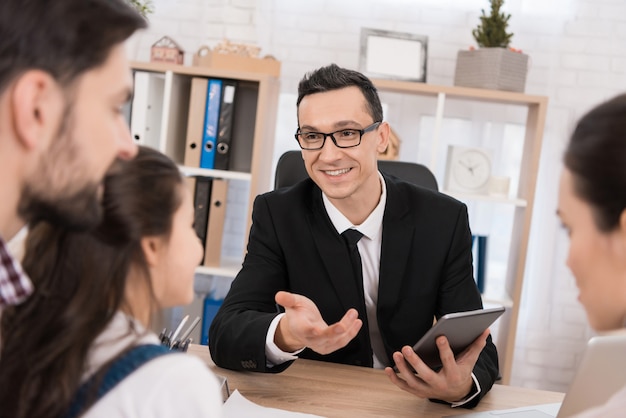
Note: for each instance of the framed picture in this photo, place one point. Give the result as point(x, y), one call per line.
point(394, 55)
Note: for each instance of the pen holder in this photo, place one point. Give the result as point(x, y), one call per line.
point(178, 345)
point(171, 340)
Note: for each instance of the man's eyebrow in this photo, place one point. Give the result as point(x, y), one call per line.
point(346, 123)
point(339, 125)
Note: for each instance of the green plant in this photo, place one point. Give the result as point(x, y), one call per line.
point(491, 32)
point(143, 7)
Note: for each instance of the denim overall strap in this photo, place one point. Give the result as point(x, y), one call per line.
point(118, 370)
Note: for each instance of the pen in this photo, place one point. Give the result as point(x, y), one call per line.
point(180, 326)
point(191, 327)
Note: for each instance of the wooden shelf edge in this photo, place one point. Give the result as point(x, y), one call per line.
point(191, 70)
point(457, 92)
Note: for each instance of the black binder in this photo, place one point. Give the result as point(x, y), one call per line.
point(225, 125)
point(202, 200)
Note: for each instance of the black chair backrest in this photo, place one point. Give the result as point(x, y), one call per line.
point(290, 170)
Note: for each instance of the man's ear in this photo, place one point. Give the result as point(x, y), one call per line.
point(37, 105)
point(151, 247)
point(383, 137)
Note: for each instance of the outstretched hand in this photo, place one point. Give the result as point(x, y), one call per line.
point(303, 326)
point(451, 383)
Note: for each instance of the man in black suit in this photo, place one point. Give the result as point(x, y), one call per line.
point(298, 294)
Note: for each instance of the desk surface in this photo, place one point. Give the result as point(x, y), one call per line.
point(335, 390)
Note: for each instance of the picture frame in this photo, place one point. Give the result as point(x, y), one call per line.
point(393, 55)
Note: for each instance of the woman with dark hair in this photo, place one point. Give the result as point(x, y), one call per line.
point(95, 295)
point(592, 208)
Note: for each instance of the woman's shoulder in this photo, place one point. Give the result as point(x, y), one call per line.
point(170, 385)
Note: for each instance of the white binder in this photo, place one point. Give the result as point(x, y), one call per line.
point(146, 108)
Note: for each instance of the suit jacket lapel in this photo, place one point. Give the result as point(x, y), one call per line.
point(398, 230)
point(333, 252)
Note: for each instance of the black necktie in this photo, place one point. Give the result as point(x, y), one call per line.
point(352, 237)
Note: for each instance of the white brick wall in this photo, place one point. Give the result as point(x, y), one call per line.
point(578, 58)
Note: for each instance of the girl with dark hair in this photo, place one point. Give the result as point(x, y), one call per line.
point(95, 295)
point(592, 208)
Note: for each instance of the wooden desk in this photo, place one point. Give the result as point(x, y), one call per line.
point(335, 390)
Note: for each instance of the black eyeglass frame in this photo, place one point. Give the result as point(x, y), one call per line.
point(331, 135)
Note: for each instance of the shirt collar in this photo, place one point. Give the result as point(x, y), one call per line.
point(371, 227)
point(15, 285)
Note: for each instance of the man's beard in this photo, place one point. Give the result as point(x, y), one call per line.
point(60, 191)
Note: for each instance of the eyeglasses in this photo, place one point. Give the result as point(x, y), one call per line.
point(343, 138)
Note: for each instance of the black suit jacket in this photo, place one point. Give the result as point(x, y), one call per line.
point(425, 272)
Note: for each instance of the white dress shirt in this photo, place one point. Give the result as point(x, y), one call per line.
point(369, 248)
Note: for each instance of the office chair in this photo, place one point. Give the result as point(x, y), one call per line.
point(290, 170)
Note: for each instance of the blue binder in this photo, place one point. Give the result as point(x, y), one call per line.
point(211, 306)
point(211, 118)
point(480, 260)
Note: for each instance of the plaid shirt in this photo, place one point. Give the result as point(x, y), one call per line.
point(15, 286)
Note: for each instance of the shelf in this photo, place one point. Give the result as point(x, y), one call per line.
point(487, 198)
point(216, 174)
point(160, 67)
point(228, 269)
point(491, 300)
point(467, 93)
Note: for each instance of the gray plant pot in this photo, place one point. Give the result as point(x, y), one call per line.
point(491, 68)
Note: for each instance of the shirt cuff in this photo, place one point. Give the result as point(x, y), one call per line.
point(274, 355)
point(469, 397)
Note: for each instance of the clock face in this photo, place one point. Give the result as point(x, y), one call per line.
point(471, 169)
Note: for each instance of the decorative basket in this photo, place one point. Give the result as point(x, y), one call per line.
point(236, 62)
point(491, 68)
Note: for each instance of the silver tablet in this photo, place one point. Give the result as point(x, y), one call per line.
point(461, 329)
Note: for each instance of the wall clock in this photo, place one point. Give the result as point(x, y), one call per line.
point(467, 169)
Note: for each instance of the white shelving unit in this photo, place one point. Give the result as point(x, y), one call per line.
point(519, 202)
point(173, 116)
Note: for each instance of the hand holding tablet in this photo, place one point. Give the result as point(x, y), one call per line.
point(461, 329)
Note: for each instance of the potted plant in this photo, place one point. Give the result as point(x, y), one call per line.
point(494, 65)
point(144, 7)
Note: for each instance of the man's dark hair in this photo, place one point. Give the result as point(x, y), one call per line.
point(62, 37)
point(333, 77)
